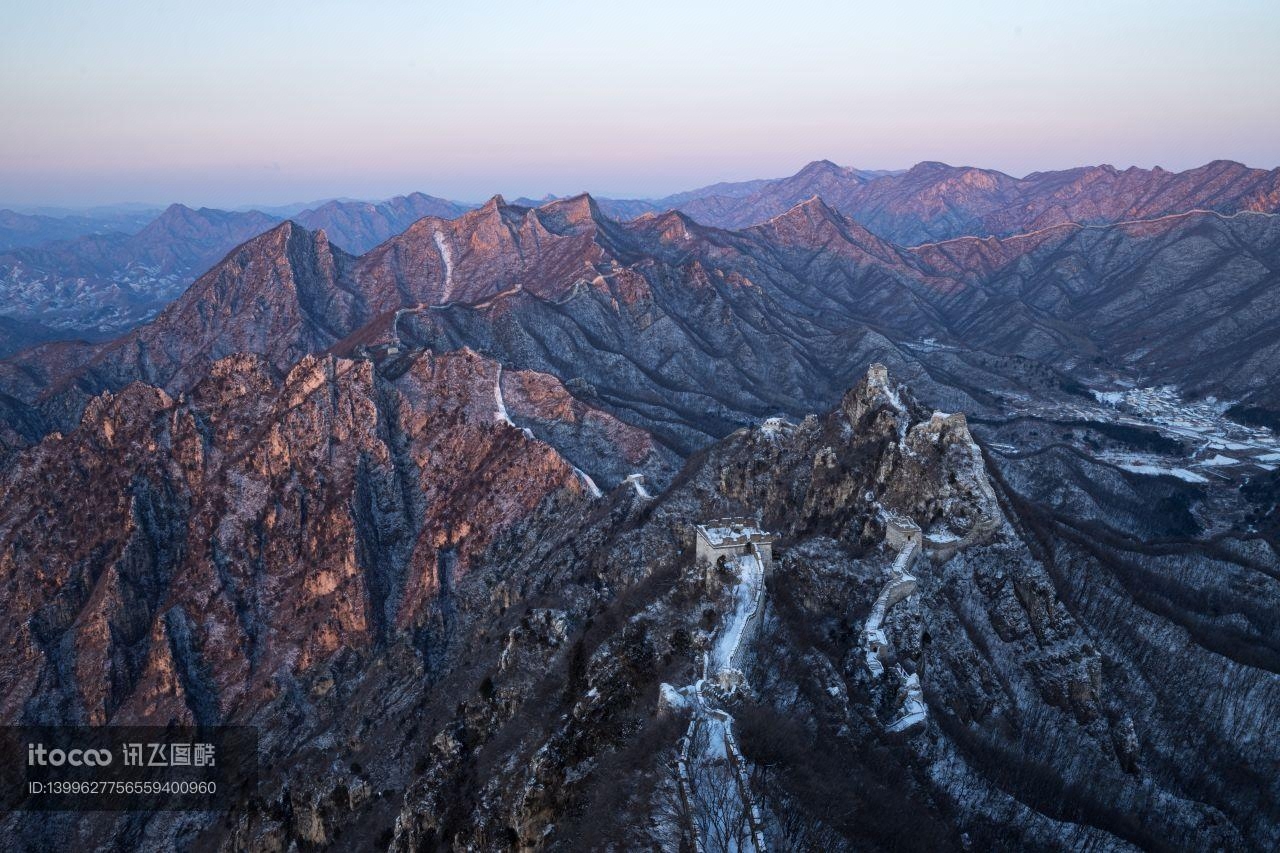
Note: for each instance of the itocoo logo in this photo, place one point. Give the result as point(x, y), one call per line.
point(38, 755)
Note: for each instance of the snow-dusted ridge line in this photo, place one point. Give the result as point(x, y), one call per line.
point(747, 595)
point(500, 415)
point(914, 709)
point(900, 585)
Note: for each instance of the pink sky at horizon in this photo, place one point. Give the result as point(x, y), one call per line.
point(238, 104)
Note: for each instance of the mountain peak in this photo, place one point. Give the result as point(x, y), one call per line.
point(930, 167)
point(811, 210)
point(580, 204)
point(181, 222)
point(575, 214)
point(669, 226)
point(817, 204)
point(175, 214)
point(1222, 166)
point(814, 222)
point(821, 167)
point(271, 241)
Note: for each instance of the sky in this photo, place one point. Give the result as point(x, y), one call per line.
point(234, 103)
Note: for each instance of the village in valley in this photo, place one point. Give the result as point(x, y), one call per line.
point(1212, 446)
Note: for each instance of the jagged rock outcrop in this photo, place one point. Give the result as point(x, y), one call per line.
point(1014, 684)
point(476, 658)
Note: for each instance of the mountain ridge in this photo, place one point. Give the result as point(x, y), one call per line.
point(313, 296)
point(98, 285)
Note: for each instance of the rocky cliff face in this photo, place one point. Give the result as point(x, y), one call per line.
point(466, 647)
point(186, 559)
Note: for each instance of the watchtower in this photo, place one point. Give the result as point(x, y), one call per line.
point(732, 537)
point(899, 531)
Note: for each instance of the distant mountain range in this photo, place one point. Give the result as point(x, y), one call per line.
point(33, 229)
point(804, 300)
point(359, 226)
point(103, 283)
point(934, 201)
point(104, 274)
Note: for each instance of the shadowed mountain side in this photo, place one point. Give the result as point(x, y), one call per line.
point(1189, 299)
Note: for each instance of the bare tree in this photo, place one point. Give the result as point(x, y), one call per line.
point(718, 810)
point(672, 818)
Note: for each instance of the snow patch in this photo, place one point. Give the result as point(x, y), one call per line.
point(1157, 471)
point(447, 257)
point(670, 697)
point(900, 586)
point(746, 594)
point(1219, 459)
point(914, 709)
point(500, 415)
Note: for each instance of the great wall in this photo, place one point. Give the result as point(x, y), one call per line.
point(737, 554)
